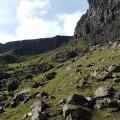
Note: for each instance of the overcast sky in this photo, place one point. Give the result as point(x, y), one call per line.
point(28, 19)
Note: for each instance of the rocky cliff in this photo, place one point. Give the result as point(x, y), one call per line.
point(101, 23)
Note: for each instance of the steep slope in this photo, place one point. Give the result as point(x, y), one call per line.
point(101, 23)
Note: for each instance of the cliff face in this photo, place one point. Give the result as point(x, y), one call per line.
point(101, 23)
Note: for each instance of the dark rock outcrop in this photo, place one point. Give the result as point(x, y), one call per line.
point(71, 112)
point(49, 76)
point(13, 85)
point(101, 23)
point(1, 110)
point(77, 100)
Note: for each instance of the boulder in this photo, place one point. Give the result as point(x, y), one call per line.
point(107, 103)
point(71, 112)
point(36, 115)
point(102, 92)
point(28, 77)
point(49, 76)
point(66, 55)
point(21, 96)
point(116, 75)
point(114, 68)
point(79, 65)
point(4, 103)
point(116, 80)
point(38, 109)
point(13, 104)
point(41, 106)
point(1, 110)
point(101, 75)
point(3, 97)
point(43, 95)
point(76, 99)
point(36, 85)
point(63, 101)
point(115, 44)
point(13, 85)
point(90, 65)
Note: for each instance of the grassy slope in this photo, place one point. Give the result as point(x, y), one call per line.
point(67, 77)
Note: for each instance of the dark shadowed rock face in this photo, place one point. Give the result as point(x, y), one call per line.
point(101, 21)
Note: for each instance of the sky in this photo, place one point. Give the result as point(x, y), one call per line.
point(30, 19)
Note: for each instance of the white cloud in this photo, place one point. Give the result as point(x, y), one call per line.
point(26, 9)
point(5, 37)
point(33, 23)
point(38, 27)
point(69, 21)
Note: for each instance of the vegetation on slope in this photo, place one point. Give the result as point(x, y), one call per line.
point(69, 73)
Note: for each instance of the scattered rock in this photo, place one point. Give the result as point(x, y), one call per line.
point(13, 104)
point(28, 77)
point(116, 80)
point(24, 117)
point(37, 111)
point(30, 114)
point(114, 68)
point(20, 97)
point(86, 57)
point(78, 70)
point(37, 85)
point(102, 92)
point(77, 100)
point(106, 103)
point(101, 75)
point(115, 44)
point(13, 85)
point(53, 112)
point(49, 76)
point(3, 97)
point(37, 115)
point(116, 75)
point(41, 106)
point(90, 65)
point(1, 110)
point(79, 65)
point(43, 95)
point(66, 55)
point(71, 112)
point(84, 83)
point(62, 102)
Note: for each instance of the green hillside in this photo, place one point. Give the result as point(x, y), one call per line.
point(70, 72)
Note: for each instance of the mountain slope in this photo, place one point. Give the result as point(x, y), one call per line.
point(32, 47)
point(67, 79)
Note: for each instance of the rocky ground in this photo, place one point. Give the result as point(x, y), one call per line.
point(63, 84)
